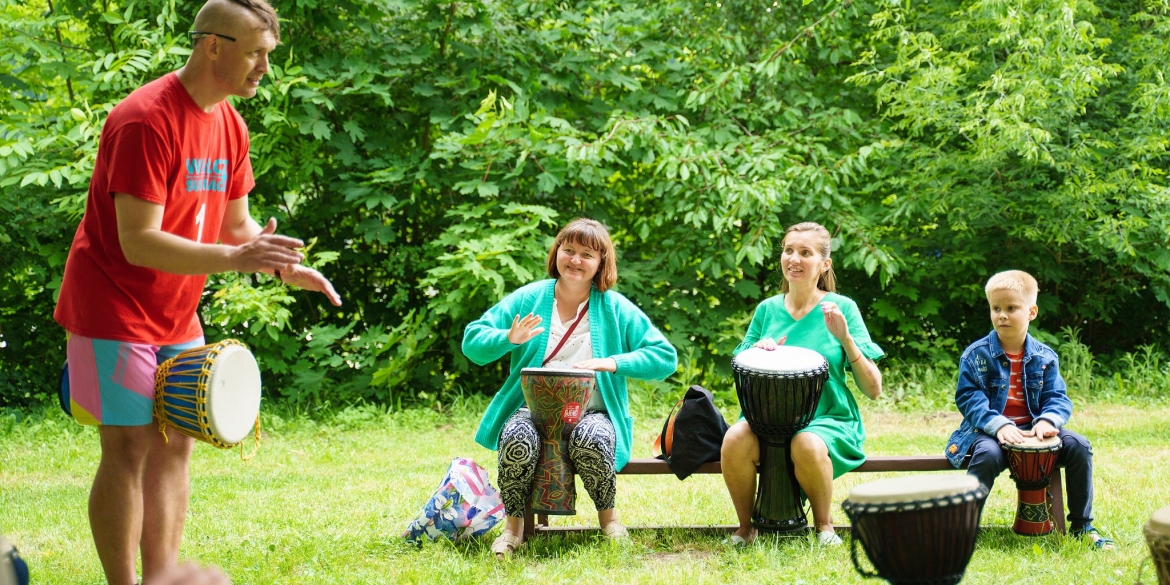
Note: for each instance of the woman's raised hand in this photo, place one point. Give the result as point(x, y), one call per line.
point(769, 344)
point(524, 329)
point(835, 321)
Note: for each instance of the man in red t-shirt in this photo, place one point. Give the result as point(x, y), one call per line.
point(167, 205)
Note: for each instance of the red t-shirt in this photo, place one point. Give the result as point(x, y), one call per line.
point(157, 145)
point(1016, 408)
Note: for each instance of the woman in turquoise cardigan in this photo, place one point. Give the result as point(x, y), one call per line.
point(605, 333)
point(810, 314)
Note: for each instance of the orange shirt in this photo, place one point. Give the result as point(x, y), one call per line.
point(1017, 407)
point(157, 145)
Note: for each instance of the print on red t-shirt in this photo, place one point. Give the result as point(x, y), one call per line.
point(159, 146)
point(1017, 408)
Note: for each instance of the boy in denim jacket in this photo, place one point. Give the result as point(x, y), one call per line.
point(1010, 388)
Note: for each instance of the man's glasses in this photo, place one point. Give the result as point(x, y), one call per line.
point(196, 34)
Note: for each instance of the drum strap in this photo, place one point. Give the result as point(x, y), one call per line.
point(581, 315)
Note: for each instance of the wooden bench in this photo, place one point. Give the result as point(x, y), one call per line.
point(535, 524)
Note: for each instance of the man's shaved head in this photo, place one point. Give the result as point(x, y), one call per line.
point(231, 17)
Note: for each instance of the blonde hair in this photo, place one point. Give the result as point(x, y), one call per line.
point(591, 234)
point(827, 280)
point(1016, 280)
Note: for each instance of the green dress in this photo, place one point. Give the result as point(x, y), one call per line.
point(837, 420)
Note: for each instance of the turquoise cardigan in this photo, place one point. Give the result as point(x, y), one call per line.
point(618, 330)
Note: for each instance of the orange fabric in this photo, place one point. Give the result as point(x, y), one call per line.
point(663, 445)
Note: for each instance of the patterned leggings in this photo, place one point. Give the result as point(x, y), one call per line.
point(591, 450)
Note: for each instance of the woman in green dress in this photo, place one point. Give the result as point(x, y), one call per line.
point(808, 313)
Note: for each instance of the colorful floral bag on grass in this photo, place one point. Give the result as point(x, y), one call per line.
point(465, 505)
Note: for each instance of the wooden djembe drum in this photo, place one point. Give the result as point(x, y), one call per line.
point(556, 401)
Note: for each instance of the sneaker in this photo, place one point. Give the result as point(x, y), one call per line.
point(1099, 542)
point(828, 538)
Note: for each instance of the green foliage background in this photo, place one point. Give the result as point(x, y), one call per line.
point(430, 150)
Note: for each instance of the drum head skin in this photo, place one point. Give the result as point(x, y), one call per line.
point(1034, 444)
point(1160, 521)
point(782, 360)
point(233, 394)
point(912, 489)
point(570, 372)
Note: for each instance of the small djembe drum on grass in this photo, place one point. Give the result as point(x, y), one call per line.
point(779, 391)
point(916, 530)
point(556, 402)
point(1158, 537)
point(1032, 464)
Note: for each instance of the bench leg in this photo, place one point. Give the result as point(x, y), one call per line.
point(1056, 488)
point(529, 523)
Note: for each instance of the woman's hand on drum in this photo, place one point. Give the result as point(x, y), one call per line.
point(309, 279)
point(835, 321)
point(598, 365)
point(769, 344)
point(1010, 434)
point(524, 329)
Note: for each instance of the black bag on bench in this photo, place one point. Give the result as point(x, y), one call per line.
point(693, 433)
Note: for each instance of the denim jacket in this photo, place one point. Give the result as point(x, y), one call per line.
point(982, 391)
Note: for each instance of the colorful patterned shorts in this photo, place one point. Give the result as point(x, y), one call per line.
point(112, 382)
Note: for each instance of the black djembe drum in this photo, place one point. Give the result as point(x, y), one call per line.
point(917, 530)
point(778, 391)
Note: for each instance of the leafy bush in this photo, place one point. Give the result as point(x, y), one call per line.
point(433, 149)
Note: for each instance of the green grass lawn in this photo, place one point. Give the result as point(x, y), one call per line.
point(327, 502)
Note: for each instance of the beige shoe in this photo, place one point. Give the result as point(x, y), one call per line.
point(505, 544)
point(615, 531)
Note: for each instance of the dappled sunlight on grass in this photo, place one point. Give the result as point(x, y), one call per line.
point(326, 501)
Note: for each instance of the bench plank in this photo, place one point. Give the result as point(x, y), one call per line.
point(538, 523)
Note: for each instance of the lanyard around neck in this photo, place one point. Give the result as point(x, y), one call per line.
point(569, 332)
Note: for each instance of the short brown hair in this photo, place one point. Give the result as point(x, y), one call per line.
point(589, 233)
point(215, 15)
point(1016, 280)
point(265, 12)
point(827, 280)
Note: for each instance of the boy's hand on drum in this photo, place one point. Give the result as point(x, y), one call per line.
point(835, 321)
point(769, 344)
point(1010, 434)
point(524, 329)
point(309, 279)
point(598, 365)
point(1043, 429)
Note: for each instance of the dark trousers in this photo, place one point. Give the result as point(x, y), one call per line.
point(1076, 455)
